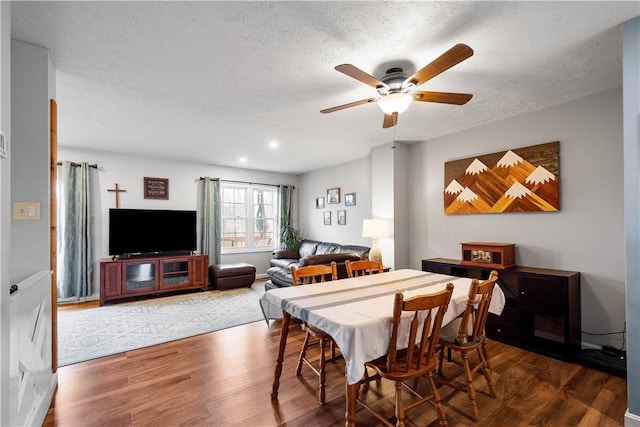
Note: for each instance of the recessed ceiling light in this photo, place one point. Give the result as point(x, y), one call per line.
point(273, 144)
point(243, 160)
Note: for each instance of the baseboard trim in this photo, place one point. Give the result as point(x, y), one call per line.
point(631, 420)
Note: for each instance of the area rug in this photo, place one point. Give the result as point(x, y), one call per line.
point(116, 328)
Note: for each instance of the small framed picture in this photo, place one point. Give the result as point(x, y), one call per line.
point(320, 203)
point(156, 188)
point(333, 196)
point(342, 217)
point(327, 217)
point(350, 199)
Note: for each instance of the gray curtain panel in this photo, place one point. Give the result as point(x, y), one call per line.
point(211, 220)
point(75, 237)
point(286, 201)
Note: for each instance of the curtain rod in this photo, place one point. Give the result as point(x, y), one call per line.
point(248, 182)
point(95, 166)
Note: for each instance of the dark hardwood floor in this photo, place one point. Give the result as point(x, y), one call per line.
point(224, 379)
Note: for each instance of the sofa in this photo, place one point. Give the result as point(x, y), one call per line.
point(311, 252)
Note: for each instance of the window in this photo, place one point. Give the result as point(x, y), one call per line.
point(249, 217)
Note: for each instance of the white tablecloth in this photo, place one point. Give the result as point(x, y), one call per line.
point(357, 312)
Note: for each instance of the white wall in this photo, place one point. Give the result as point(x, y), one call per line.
point(31, 90)
point(390, 178)
point(586, 235)
point(351, 177)
point(401, 200)
point(631, 83)
point(184, 182)
point(383, 173)
point(5, 208)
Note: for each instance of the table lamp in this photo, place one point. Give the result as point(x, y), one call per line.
point(375, 229)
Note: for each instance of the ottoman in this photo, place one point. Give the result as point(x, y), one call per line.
point(228, 276)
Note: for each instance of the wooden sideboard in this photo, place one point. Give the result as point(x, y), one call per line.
point(126, 278)
point(542, 310)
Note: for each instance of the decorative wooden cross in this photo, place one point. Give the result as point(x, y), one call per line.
point(117, 191)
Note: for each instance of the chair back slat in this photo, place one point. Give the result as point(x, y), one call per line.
point(363, 268)
point(427, 346)
point(424, 341)
point(477, 310)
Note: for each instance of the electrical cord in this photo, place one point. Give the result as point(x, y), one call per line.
point(623, 332)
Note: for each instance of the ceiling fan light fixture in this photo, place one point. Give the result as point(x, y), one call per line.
point(395, 103)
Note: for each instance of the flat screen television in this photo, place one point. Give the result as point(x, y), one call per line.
point(151, 231)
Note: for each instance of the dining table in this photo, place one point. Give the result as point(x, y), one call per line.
point(356, 312)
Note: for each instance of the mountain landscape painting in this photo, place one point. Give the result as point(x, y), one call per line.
point(517, 180)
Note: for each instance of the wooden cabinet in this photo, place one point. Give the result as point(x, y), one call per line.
point(125, 278)
point(542, 309)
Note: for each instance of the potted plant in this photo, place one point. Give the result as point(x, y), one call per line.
point(290, 236)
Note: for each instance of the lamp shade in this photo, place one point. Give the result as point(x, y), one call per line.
point(375, 228)
point(395, 103)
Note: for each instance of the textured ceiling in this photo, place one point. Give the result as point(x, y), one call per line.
point(212, 82)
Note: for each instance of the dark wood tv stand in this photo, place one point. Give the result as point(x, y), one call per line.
point(542, 310)
point(132, 277)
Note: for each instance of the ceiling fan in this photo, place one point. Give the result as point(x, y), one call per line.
point(397, 89)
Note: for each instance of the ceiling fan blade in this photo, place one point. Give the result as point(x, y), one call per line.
point(358, 74)
point(453, 56)
point(390, 120)
point(349, 105)
point(442, 97)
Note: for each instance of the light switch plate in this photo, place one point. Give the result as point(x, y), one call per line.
point(26, 211)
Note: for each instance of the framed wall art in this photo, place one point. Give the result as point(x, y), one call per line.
point(342, 217)
point(517, 180)
point(320, 203)
point(350, 199)
point(156, 188)
point(333, 196)
point(327, 217)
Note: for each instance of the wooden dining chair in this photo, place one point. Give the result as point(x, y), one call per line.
point(363, 267)
point(308, 275)
point(471, 338)
point(417, 357)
